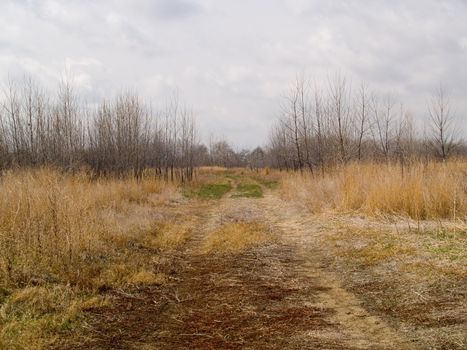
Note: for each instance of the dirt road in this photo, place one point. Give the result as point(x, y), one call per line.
point(277, 295)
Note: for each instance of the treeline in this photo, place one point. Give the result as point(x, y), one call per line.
point(320, 126)
point(114, 137)
point(119, 137)
point(221, 153)
point(334, 123)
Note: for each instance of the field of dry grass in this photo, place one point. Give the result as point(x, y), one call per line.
point(65, 237)
point(412, 276)
point(397, 240)
point(72, 246)
point(419, 190)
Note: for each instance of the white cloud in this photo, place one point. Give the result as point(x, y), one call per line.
point(232, 60)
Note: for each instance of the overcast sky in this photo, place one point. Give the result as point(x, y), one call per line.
point(232, 60)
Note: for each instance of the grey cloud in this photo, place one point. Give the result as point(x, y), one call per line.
point(232, 60)
point(175, 8)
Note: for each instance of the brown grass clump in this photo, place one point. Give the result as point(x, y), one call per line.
point(377, 252)
point(171, 235)
point(147, 278)
point(236, 237)
point(420, 190)
point(31, 316)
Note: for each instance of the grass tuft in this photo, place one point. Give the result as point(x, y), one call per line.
point(209, 191)
point(147, 278)
point(236, 237)
point(30, 316)
point(269, 184)
point(248, 190)
point(169, 235)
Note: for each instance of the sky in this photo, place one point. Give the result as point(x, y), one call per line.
point(232, 61)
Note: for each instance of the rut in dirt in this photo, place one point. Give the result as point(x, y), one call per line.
point(258, 300)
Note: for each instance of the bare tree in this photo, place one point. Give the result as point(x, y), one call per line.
point(223, 154)
point(383, 127)
point(443, 136)
point(317, 128)
point(119, 137)
point(318, 109)
point(339, 112)
point(362, 113)
point(292, 122)
point(306, 124)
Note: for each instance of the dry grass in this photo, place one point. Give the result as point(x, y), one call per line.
point(420, 191)
point(54, 226)
point(170, 235)
point(414, 277)
point(31, 317)
point(236, 237)
point(148, 278)
point(398, 240)
point(64, 238)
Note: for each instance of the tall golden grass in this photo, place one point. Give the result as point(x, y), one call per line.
point(53, 227)
point(64, 237)
point(420, 190)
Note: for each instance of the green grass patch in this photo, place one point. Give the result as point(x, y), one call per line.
point(214, 191)
point(452, 251)
point(248, 190)
point(442, 233)
point(232, 176)
point(209, 191)
point(270, 184)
